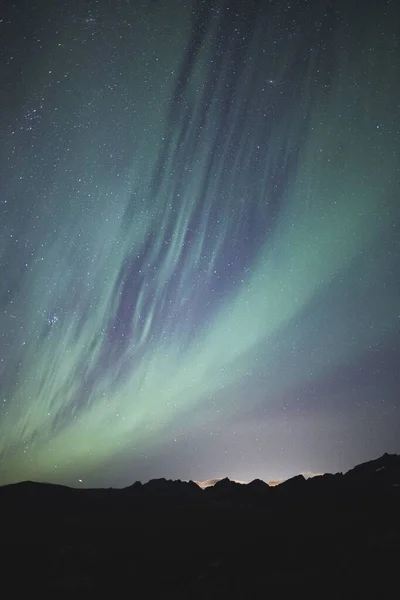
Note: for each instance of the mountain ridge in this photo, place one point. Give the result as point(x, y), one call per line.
point(385, 467)
point(335, 536)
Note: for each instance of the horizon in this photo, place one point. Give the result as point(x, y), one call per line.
point(211, 481)
point(199, 239)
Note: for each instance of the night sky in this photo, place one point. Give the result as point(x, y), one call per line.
point(199, 238)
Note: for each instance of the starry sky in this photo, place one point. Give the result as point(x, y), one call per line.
point(199, 238)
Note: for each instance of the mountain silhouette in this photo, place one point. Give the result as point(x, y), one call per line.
point(332, 536)
point(386, 468)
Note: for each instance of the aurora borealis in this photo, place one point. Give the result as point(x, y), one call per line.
point(199, 238)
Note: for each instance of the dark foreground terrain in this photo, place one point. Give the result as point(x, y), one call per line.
point(334, 536)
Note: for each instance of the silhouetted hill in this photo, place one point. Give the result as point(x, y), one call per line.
point(294, 484)
point(384, 469)
point(258, 487)
point(224, 487)
point(332, 536)
point(34, 488)
point(163, 489)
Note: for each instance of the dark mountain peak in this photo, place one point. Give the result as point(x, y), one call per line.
point(227, 484)
point(35, 487)
point(170, 487)
point(158, 482)
point(386, 467)
point(381, 473)
point(225, 488)
point(326, 484)
point(136, 486)
point(257, 485)
point(295, 481)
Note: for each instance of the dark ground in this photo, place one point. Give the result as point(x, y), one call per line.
point(331, 537)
